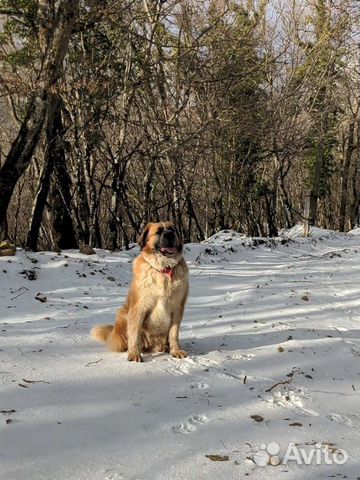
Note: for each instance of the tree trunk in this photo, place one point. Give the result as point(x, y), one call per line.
point(310, 210)
point(355, 207)
point(83, 210)
point(54, 169)
point(60, 200)
point(39, 202)
point(116, 220)
point(270, 211)
point(27, 139)
point(345, 176)
point(322, 25)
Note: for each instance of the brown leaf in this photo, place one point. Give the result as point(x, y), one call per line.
point(257, 418)
point(305, 298)
point(295, 424)
point(281, 349)
point(7, 248)
point(41, 297)
point(86, 250)
point(218, 458)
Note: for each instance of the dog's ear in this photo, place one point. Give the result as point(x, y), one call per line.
point(143, 237)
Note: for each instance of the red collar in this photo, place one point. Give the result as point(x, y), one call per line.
point(168, 271)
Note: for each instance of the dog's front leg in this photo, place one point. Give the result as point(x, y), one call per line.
point(135, 319)
point(175, 348)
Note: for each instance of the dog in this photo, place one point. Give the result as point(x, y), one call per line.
point(151, 317)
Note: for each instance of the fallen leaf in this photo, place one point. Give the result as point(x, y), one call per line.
point(295, 424)
point(218, 458)
point(257, 418)
point(305, 298)
point(41, 297)
point(281, 349)
point(8, 411)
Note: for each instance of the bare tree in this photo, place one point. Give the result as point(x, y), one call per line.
point(23, 147)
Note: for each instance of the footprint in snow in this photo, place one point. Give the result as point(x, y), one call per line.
point(206, 362)
point(355, 352)
point(183, 367)
point(199, 386)
point(294, 400)
point(240, 356)
point(337, 417)
point(113, 474)
point(339, 328)
point(191, 425)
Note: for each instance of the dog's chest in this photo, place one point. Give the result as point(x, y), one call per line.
point(160, 317)
point(165, 300)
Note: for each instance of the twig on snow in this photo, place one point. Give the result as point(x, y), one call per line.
point(285, 382)
point(96, 361)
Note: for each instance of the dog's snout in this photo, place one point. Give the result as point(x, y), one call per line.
point(169, 235)
point(168, 239)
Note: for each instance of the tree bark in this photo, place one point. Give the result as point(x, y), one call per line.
point(23, 147)
point(39, 202)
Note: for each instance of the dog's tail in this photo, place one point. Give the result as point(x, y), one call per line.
point(115, 341)
point(101, 332)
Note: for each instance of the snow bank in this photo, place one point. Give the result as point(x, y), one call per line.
point(315, 232)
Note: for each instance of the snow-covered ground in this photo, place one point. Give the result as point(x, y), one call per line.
point(260, 312)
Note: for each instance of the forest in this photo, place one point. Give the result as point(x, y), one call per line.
point(216, 114)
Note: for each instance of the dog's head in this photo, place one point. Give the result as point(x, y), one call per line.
point(161, 238)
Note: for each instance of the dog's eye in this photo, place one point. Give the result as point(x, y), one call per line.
point(160, 231)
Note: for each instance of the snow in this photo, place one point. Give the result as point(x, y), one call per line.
point(315, 232)
point(261, 311)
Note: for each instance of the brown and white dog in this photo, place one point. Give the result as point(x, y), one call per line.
point(150, 319)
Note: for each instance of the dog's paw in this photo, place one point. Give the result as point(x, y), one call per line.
point(164, 348)
point(179, 354)
point(134, 357)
